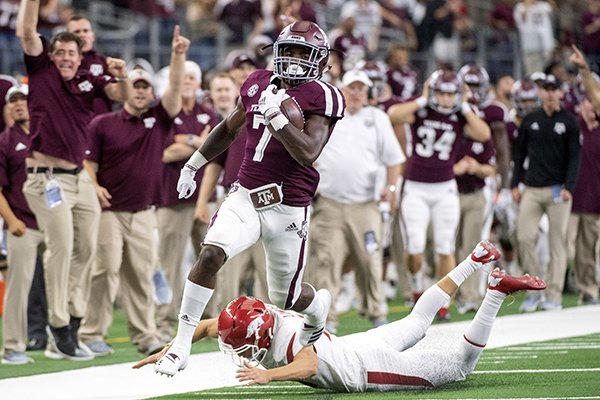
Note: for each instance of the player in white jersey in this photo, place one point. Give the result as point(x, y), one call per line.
point(380, 359)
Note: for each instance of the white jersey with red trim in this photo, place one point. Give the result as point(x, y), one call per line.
point(339, 367)
point(381, 359)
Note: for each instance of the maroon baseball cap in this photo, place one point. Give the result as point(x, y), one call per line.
point(240, 59)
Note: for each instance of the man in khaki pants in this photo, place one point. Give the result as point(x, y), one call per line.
point(126, 149)
point(346, 221)
point(176, 222)
point(586, 207)
point(24, 237)
point(58, 190)
point(549, 137)
point(477, 161)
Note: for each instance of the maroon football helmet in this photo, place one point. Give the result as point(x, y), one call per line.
point(376, 71)
point(525, 97)
point(245, 330)
point(308, 36)
point(445, 81)
point(478, 80)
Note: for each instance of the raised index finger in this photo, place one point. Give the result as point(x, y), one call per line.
point(176, 32)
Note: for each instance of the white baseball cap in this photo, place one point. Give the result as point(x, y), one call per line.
point(139, 74)
point(356, 75)
point(23, 89)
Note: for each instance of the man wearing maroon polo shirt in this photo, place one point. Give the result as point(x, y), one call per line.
point(126, 148)
point(93, 61)
point(24, 237)
point(176, 223)
point(57, 189)
point(586, 207)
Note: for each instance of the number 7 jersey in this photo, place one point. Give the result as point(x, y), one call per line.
point(436, 139)
point(266, 160)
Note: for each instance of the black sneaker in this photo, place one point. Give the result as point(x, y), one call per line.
point(36, 344)
point(65, 346)
point(74, 324)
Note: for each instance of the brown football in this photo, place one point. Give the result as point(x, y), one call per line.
point(291, 109)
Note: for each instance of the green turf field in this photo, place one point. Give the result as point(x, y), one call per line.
point(350, 322)
point(557, 369)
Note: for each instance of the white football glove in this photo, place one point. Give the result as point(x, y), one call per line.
point(186, 185)
point(270, 101)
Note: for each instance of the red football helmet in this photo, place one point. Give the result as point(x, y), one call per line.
point(245, 330)
point(524, 96)
point(478, 80)
point(445, 81)
point(308, 36)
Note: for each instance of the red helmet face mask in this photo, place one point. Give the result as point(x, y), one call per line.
point(245, 330)
point(478, 81)
point(525, 97)
point(314, 45)
point(444, 81)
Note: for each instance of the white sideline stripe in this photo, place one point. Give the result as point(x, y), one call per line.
point(510, 357)
point(525, 353)
point(525, 398)
point(554, 347)
point(215, 370)
point(536, 371)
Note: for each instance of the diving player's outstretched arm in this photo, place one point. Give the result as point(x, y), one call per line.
point(304, 366)
point(206, 328)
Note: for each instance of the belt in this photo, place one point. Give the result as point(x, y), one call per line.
point(41, 170)
point(266, 196)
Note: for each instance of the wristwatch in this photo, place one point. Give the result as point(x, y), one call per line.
point(190, 140)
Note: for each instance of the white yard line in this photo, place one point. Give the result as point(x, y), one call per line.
point(529, 398)
point(214, 370)
point(536, 371)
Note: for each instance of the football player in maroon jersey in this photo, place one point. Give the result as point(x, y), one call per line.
point(276, 183)
point(438, 120)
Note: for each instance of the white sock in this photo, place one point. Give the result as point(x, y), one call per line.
point(417, 281)
point(193, 304)
point(480, 328)
point(316, 307)
point(430, 303)
point(462, 271)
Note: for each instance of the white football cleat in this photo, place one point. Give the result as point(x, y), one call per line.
point(314, 325)
point(171, 363)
